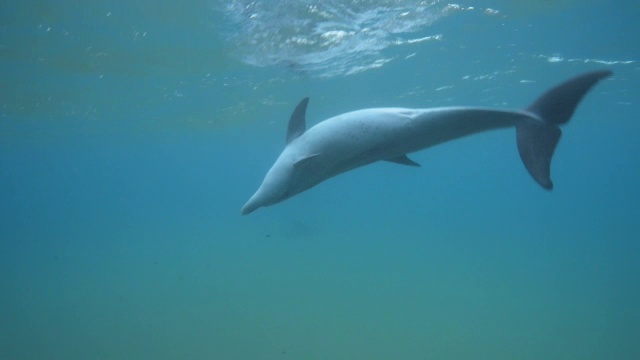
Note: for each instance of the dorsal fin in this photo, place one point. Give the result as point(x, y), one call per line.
point(297, 123)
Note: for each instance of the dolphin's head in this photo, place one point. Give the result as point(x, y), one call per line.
point(286, 177)
point(275, 187)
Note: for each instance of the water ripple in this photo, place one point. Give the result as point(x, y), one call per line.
point(328, 38)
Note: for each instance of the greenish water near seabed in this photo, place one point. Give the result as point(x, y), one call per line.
point(131, 133)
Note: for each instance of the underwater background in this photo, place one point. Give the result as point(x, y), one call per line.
point(132, 132)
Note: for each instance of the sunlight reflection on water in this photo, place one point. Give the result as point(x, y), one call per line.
point(329, 38)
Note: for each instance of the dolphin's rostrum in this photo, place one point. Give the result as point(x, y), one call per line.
point(361, 137)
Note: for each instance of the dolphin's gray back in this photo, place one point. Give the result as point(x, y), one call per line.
point(358, 138)
point(364, 136)
point(440, 125)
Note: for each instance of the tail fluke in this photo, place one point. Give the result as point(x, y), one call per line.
point(537, 139)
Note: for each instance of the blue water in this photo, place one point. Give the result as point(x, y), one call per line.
point(132, 132)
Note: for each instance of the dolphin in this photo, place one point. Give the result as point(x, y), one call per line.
point(361, 137)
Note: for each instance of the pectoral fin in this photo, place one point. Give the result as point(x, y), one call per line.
point(305, 160)
point(403, 160)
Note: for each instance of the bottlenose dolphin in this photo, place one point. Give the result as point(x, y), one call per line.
point(361, 137)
